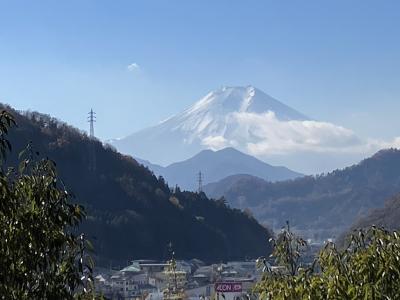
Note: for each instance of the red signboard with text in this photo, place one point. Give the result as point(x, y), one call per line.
point(228, 287)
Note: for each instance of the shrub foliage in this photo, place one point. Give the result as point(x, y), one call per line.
point(41, 255)
point(368, 268)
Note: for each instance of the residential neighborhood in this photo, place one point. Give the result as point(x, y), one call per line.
point(147, 279)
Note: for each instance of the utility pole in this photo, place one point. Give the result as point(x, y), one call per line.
point(92, 150)
point(200, 182)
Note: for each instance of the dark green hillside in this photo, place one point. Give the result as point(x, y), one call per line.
point(320, 206)
point(131, 213)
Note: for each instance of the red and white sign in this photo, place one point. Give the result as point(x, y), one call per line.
point(228, 287)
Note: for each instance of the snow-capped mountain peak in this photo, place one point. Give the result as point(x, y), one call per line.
point(246, 119)
point(214, 117)
point(242, 99)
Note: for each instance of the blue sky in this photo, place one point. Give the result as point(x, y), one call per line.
point(336, 61)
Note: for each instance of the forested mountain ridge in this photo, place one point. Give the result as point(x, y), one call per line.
point(320, 206)
point(131, 212)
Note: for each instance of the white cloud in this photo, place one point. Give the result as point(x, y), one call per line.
point(263, 135)
point(379, 144)
point(272, 136)
point(133, 67)
point(215, 142)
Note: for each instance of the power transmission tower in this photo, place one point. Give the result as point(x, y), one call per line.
point(200, 182)
point(92, 154)
point(91, 120)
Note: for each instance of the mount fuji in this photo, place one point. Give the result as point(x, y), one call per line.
point(244, 118)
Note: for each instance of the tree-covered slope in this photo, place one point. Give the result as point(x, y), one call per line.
point(320, 206)
point(131, 213)
point(387, 216)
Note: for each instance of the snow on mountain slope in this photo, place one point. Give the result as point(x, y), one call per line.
point(244, 118)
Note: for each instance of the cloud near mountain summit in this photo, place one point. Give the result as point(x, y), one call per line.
point(264, 134)
point(253, 122)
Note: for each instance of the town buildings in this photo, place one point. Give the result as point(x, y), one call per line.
point(147, 279)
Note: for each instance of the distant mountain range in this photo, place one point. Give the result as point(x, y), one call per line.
point(249, 120)
point(320, 206)
point(131, 213)
point(216, 165)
